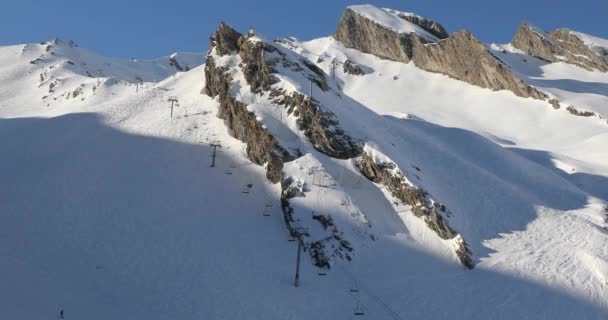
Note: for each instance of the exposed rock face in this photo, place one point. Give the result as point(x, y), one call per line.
point(257, 72)
point(352, 68)
point(429, 25)
point(365, 35)
point(225, 40)
point(460, 56)
point(320, 127)
point(262, 147)
point(422, 207)
point(463, 57)
point(259, 61)
point(560, 45)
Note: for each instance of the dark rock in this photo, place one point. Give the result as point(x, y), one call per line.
point(422, 207)
point(319, 126)
point(257, 72)
point(463, 57)
point(367, 36)
point(432, 27)
point(460, 56)
point(174, 63)
point(225, 40)
point(560, 45)
point(262, 147)
point(352, 68)
point(579, 113)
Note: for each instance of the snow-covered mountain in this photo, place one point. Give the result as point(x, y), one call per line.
point(425, 175)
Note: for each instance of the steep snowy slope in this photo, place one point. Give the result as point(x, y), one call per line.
point(112, 209)
point(581, 90)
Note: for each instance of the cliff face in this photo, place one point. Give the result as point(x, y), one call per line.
point(433, 27)
point(463, 57)
point(365, 35)
point(560, 45)
point(259, 61)
point(262, 147)
point(460, 56)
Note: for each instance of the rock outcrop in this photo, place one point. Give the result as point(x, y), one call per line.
point(262, 147)
point(352, 68)
point(319, 126)
point(460, 56)
point(358, 32)
point(422, 207)
point(463, 57)
point(260, 60)
point(560, 45)
point(433, 27)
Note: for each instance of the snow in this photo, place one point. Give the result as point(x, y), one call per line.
point(571, 85)
point(600, 45)
point(113, 211)
point(391, 20)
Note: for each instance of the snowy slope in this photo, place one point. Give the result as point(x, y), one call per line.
point(112, 210)
point(571, 85)
point(600, 45)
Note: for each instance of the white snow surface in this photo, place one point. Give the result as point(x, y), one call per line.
point(600, 45)
point(585, 90)
point(110, 209)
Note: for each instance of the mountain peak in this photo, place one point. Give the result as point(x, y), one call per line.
point(560, 45)
point(401, 22)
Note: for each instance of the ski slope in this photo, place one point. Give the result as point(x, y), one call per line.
point(110, 208)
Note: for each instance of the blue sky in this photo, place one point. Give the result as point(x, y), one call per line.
point(146, 29)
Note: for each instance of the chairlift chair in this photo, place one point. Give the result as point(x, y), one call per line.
point(358, 310)
point(247, 188)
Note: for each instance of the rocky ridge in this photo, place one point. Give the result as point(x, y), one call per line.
point(423, 207)
point(460, 56)
point(561, 45)
point(260, 61)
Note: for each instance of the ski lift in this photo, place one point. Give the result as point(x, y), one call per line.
point(247, 188)
point(267, 209)
point(354, 288)
point(358, 310)
point(227, 171)
point(322, 272)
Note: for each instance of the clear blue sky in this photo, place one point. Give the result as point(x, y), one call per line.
point(151, 28)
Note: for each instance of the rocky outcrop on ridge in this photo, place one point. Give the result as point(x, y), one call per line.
point(460, 56)
point(259, 62)
point(463, 57)
point(560, 45)
point(433, 27)
point(262, 147)
point(422, 207)
point(365, 35)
